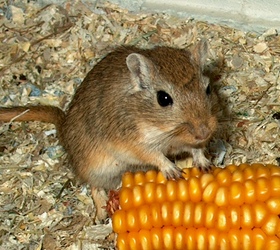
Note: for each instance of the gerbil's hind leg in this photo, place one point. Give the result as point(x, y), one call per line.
point(100, 199)
point(200, 161)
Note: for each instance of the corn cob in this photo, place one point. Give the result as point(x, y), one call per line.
point(237, 207)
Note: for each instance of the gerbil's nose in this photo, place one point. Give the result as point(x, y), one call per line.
point(203, 133)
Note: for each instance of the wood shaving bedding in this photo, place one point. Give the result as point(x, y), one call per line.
point(44, 55)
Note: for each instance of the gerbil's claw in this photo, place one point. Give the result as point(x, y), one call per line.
point(206, 168)
point(173, 173)
point(200, 161)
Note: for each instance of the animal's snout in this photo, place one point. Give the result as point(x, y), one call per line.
point(203, 133)
point(205, 130)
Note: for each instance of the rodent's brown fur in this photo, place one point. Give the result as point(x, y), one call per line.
point(115, 123)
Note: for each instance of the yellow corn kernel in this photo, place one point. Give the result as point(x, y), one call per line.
point(223, 240)
point(146, 241)
point(138, 195)
point(236, 194)
point(259, 238)
point(260, 213)
point(151, 176)
point(187, 216)
point(212, 238)
point(238, 176)
point(275, 186)
point(191, 172)
point(199, 214)
point(179, 238)
point(235, 216)
point(156, 237)
point(161, 194)
point(125, 198)
point(249, 173)
point(270, 226)
point(171, 190)
point(139, 178)
point(249, 191)
point(273, 205)
point(223, 224)
point(237, 207)
point(209, 193)
point(211, 215)
point(166, 211)
point(182, 191)
point(222, 197)
point(205, 179)
point(201, 239)
point(191, 238)
point(119, 221)
point(156, 216)
point(224, 177)
point(273, 170)
point(168, 239)
point(132, 221)
point(246, 239)
point(195, 191)
point(234, 236)
point(149, 192)
point(262, 188)
point(272, 243)
point(128, 179)
point(262, 171)
point(233, 167)
point(144, 217)
point(247, 219)
point(177, 211)
point(161, 178)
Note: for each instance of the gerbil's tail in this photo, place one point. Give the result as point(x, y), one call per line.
point(41, 113)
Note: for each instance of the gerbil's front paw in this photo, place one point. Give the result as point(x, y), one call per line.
point(172, 172)
point(204, 168)
point(200, 161)
point(203, 164)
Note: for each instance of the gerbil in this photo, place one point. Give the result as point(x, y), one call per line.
point(134, 109)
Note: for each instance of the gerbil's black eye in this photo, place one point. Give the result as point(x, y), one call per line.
point(208, 90)
point(164, 99)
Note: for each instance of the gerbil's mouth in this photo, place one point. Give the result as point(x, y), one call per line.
point(188, 140)
point(202, 139)
point(199, 143)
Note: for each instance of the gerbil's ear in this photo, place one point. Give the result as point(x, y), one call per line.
point(200, 52)
point(141, 68)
